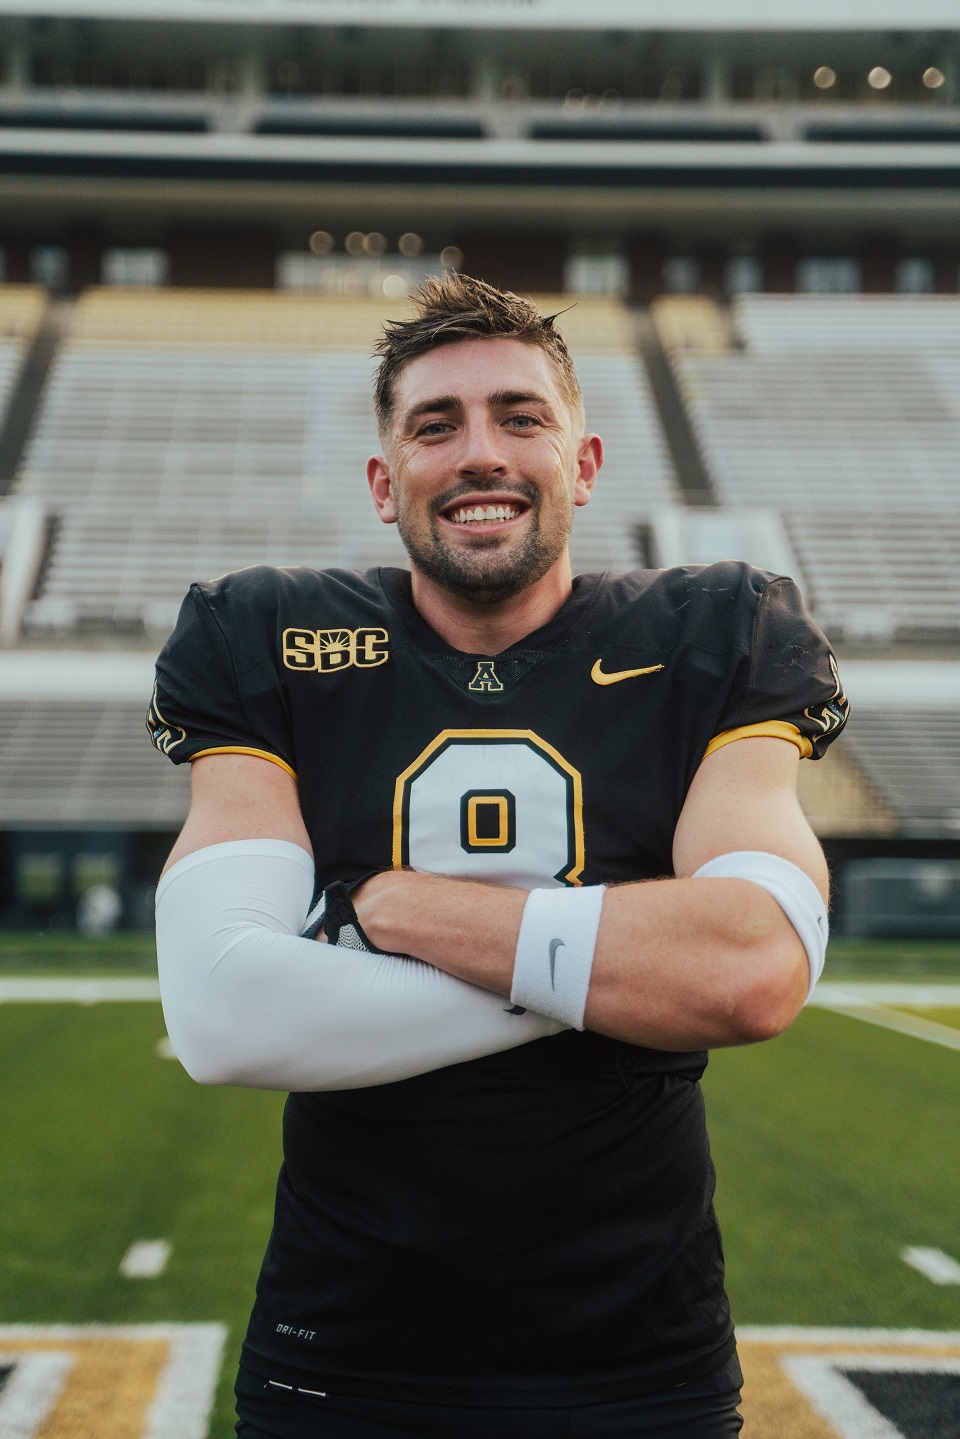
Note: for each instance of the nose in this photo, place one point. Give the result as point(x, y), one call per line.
point(481, 451)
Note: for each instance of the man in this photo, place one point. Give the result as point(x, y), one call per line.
point(495, 1212)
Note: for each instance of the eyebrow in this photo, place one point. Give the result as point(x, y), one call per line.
point(443, 404)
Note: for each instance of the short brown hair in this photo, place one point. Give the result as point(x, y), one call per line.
point(459, 307)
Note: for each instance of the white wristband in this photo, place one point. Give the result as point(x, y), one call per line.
point(793, 889)
point(558, 934)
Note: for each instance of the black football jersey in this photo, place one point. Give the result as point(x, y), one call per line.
point(534, 1227)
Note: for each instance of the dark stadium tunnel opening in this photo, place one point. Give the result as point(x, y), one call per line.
point(385, 128)
point(887, 134)
point(683, 132)
point(121, 121)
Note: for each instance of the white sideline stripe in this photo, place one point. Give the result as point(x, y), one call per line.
point(146, 1258)
point(165, 1049)
point(918, 996)
point(77, 991)
point(831, 1395)
point(911, 1024)
point(933, 1264)
point(186, 1388)
point(803, 1334)
point(838, 1400)
point(30, 1391)
point(29, 674)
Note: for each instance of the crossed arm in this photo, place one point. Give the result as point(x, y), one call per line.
point(680, 963)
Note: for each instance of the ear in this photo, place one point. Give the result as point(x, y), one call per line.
point(381, 488)
point(589, 460)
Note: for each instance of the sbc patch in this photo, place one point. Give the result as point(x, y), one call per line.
point(103, 1381)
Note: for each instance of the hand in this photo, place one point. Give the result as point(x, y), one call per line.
point(380, 902)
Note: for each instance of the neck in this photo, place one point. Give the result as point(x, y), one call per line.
point(481, 629)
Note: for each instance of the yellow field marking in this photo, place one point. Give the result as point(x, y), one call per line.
point(893, 1006)
point(774, 1408)
point(108, 1388)
point(148, 1381)
point(950, 1017)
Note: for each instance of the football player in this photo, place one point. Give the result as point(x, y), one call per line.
point(548, 829)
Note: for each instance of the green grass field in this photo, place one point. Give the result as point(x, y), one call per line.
point(835, 1147)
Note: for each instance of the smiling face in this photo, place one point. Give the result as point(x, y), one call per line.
point(485, 464)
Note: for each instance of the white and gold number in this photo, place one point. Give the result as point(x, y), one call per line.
point(491, 804)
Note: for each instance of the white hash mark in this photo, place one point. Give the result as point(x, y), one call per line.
point(938, 1267)
point(146, 1258)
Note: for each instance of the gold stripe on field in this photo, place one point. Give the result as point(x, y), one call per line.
point(773, 1407)
point(109, 1389)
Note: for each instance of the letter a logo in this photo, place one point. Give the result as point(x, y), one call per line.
point(486, 679)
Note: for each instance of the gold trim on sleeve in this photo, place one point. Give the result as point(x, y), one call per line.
point(769, 729)
point(245, 749)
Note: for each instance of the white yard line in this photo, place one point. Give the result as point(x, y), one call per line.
point(933, 1264)
point(813, 1334)
point(185, 1390)
point(31, 1390)
point(871, 1003)
point(831, 1395)
point(77, 991)
point(909, 1024)
point(146, 1259)
point(838, 1400)
point(922, 995)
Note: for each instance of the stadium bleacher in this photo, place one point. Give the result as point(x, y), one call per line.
point(21, 312)
point(83, 762)
point(837, 414)
point(841, 800)
point(637, 472)
point(911, 759)
point(185, 434)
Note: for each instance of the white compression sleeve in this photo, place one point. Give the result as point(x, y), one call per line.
point(248, 1002)
point(792, 888)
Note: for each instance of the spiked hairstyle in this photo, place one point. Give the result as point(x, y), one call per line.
point(458, 307)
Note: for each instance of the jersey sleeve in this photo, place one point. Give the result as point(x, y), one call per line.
point(210, 699)
point(788, 687)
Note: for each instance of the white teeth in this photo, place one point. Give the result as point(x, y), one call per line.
point(478, 515)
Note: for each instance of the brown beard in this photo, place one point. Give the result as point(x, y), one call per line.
point(483, 577)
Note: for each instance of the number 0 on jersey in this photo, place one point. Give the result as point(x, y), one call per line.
point(491, 804)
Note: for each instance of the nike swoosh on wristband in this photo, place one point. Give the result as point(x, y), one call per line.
point(600, 678)
point(555, 944)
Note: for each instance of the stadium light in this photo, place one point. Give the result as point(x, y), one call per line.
point(879, 78)
point(933, 78)
point(824, 78)
point(355, 243)
point(410, 244)
point(395, 287)
point(321, 242)
point(374, 243)
point(451, 257)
